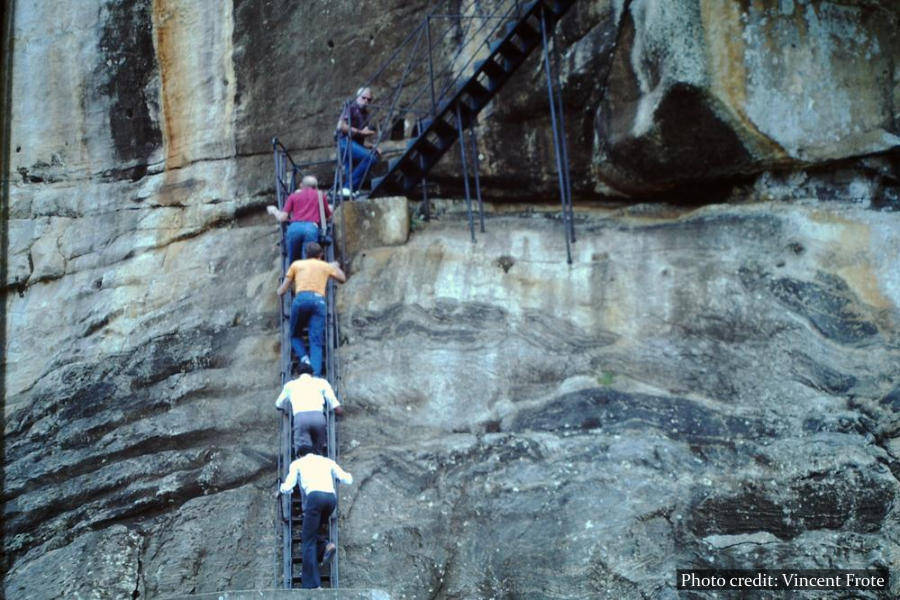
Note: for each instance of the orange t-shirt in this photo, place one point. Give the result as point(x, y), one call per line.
point(310, 275)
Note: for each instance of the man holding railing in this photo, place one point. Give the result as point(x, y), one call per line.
point(307, 397)
point(316, 475)
point(310, 278)
point(305, 209)
point(353, 133)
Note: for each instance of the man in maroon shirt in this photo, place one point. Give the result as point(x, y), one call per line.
point(302, 209)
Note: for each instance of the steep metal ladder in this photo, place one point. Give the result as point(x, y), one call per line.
point(287, 174)
point(521, 28)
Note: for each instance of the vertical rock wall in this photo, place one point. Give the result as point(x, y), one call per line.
point(498, 398)
point(710, 389)
point(140, 307)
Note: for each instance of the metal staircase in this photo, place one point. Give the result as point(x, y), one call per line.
point(506, 36)
point(481, 43)
point(287, 174)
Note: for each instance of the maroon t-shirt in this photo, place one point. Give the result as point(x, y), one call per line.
point(304, 206)
point(357, 117)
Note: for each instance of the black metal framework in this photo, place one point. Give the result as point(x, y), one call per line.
point(559, 140)
point(486, 43)
point(490, 41)
point(481, 44)
point(290, 508)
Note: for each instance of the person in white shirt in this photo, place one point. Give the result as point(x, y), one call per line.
point(315, 474)
point(308, 396)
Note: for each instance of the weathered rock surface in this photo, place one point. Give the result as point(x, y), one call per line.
point(685, 97)
point(710, 390)
point(713, 388)
point(138, 393)
point(696, 97)
point(716, 89)
point(371, 224)
point(294, 594)
point(99, 564)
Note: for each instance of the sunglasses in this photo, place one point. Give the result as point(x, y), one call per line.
point(366, 98)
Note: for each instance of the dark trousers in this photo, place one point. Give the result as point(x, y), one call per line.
point(316, 510)
point(309, 430)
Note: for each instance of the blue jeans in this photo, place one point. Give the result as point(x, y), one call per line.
point(308, 308)
point(316, 510)
point(298, 234)
point(359, 157)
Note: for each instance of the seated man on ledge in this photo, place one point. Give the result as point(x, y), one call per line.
point(356, 151)
point(310, 278)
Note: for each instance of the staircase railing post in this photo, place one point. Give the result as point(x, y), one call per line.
point(285, 501)
point(331, 373)
point(275, 159)
point(473, 135)
point(462, 155)
point(425, 203)
point(565, 155)
point(556, 134)
point(348, 150)
point(430, 65)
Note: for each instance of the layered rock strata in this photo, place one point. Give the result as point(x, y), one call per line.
point(684, 98)
point(711, 390)
point(706, 388)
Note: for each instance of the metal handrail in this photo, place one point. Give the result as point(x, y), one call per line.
point(403, 101)
point(286, 167)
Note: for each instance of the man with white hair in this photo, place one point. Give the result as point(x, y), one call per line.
point(303, 211)
point(353, 133)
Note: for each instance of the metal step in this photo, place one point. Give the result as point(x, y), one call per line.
point(491, 67)
point(444, 129)
point(423, 145)
point(291, 508)
point(507, 49)
point(521, 34)
point(525, 30)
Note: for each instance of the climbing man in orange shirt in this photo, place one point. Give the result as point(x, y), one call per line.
point(310, 277)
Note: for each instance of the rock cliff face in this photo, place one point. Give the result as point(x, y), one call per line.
point(713, 386)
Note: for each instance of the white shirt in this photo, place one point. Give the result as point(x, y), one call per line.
point(307, 393)
point(315, 474)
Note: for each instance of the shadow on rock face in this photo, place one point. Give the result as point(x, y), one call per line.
point(608, 410)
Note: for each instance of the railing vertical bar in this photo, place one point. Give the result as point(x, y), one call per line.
point(567, 173)
point(473, 135)
point(430, 65)
point(554, 124)
point(462, 155)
